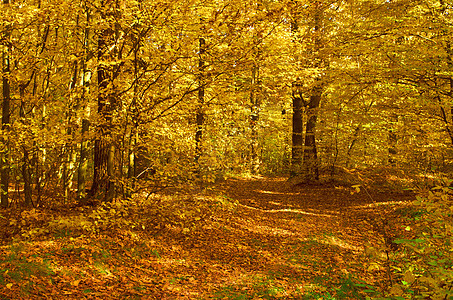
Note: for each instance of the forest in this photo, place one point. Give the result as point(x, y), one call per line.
point(226, 149)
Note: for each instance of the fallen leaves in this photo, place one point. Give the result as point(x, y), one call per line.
point(194, 245)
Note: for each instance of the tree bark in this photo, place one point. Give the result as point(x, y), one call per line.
point(84, 143)
point(103, 174)
point(392, 141)
point(297, 131)
point(26, 163)
point(200, 116)
point(310, 161)
point(254, 118)
point(4, 151)
point(298, 104)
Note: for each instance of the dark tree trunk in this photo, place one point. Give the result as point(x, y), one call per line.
point(254, 118)
point(298, 104)
point(84, 143)
point(4, 155)
point(200, 110)
point(297, 134)
point(311, 165)
point(103, 185)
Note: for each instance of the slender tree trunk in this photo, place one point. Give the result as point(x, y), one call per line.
point(254, 118)
point(26, 163)
point(4, 153)
point(84, 143)
point(200, 109)
point(68, 152)
point(392, 141)
point(131, 171)
point(255, 97)
point(133, 137)
point(83, 161)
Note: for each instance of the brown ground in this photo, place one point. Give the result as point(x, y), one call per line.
point(254, 238)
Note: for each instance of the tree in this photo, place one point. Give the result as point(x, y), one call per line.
point(304, 152)
point(6, 104)
point(107, 71)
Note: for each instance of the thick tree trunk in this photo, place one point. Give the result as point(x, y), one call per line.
point(4, 153)
point(311, 164)
point(297, 133)
point(103, 180)
point(298, 104)
point(305, 165)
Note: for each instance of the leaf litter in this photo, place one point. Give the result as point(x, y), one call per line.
point(257, 238)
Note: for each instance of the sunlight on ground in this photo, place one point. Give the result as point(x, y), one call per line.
point(275, 193)
point(335, 241)
point(381, 204)
point(267, 230)
point(285, 210)
point(328, 240)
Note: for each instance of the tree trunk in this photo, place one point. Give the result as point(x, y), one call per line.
point(297, 133)
point(133, 135)
point(26, 163)
point(305, 165)
point(4, 153)
point(392, 141)
point(311, 164)
point(298, 104)
point(132, 169)
point(254, 118)
point(84, 143)
point(200, 109)
point(83, 161)
point(103, 181)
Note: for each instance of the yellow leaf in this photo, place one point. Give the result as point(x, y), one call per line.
point(75, 282)
point(409, 277)
point(9, 285)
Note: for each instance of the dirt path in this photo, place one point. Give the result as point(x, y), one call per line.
point(243, 239)
point(293, 241)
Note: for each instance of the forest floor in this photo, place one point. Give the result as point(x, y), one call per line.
point(255, 238)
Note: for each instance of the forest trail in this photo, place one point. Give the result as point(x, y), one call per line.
point(256, 238)
point(282, 242)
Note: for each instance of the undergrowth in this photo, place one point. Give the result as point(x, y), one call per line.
point(422, 267)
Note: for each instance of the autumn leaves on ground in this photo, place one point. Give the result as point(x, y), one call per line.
point(255, 238)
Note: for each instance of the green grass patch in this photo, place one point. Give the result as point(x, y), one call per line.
point(101, 255)
point(412, 213)
point(261, 288)
point(15, 267)
point(324, 287)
